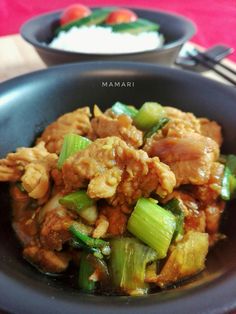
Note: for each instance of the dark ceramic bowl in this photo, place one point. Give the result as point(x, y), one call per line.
point(176, 30)
point(30, 102)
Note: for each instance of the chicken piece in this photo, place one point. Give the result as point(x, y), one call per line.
point(211, 129)
point(36, 179)
point(76, 122)
point(54, 229)
point(117, 172)
point(13, 166)
point(186, 259)
point(117, 220)
point(190, 157)
point(189, 118)
point(194, 217)
point(120, 126)
point(213, 214)
point(210, 191)
point(46, 260)
point(102, 225)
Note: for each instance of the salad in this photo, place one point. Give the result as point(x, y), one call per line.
point(123, 201)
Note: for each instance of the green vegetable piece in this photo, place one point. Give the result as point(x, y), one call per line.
point(174, 206)
point(89, 241)
point(225, 190)
point(77, 201)
point(78, 244)
point(136, 27)
point(95, 18)
point(153, 225)
point(118, 108)
point(149, 115)
point(72, 144)
point(160, 124)
point(85, 271)
point(228, 190)
point(128, 262)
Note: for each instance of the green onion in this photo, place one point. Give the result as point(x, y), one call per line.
point(174, 206)
point(85, 271)
point(78, 244)
point(72, 144)
point(149, 115)
point(76, 201)
point(20, 187)
point(153, 225)
point(160, 124)
point(128, 262)
point(228, 190)
point(225, 189)
point(89, 241)
point(118, 108)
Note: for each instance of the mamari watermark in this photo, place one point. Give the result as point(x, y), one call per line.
point(118, 84)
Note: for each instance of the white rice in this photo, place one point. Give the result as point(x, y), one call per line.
point(101, 40)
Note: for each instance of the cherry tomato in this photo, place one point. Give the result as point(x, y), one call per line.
point(121, 16)
point(74, 12)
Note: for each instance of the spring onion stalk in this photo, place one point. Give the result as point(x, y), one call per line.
point(77, 201)
point(89, 241)
point(118, 108)
point(128, 262)
point(153, 225)
point(72, 143)
point(78, 244)
point(228, 190)
point(85, 271)
point(174, 206)
point(149, 115)
point(160, 124)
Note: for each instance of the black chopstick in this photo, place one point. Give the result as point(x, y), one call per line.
point(215, 62)
point(210, 65)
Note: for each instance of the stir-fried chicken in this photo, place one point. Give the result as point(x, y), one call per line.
point(211, 129)
point(117, 220)
point(76, 122)
point(54, 229)
point(46, 260)
point(190, 157)
point(120, 126)
point(30, 165)
point(115, 171)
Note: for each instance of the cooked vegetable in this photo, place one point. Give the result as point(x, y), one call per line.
point(73, 13)
point(139, 26)
point(95, 18)
point(121, 16)
point(91, 242)
point(187, 258)
point(174, 206)
point(153, 225)
point(72, 144)
point(149, 115)
point(128, 262)
point(77, 201)
point(85, 271)
point(119, 108)
point(228, 190)
point(160, 124)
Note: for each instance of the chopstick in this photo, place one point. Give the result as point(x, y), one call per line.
point(210, 63)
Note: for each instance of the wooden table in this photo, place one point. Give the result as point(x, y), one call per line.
point(18, 57)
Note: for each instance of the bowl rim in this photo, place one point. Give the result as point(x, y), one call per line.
point(30, 38)
point(208, 297)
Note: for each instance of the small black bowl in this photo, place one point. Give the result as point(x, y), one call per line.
point(31, 102)
point(177, 30)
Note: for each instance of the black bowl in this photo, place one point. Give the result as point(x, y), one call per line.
point(176, 29)
point(30, 102)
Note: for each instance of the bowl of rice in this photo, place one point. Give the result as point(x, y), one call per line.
point(155, 37)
